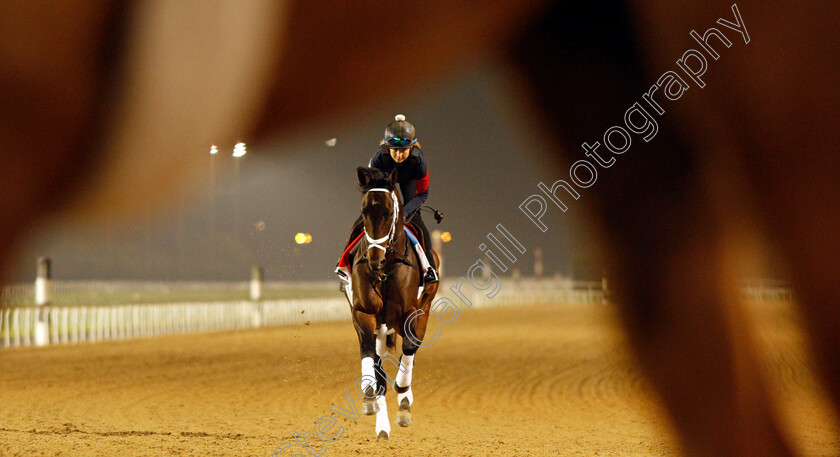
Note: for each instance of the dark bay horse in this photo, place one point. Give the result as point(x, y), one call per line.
point(761, 134)
point(385, 298)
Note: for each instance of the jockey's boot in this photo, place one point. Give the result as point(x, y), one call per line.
point(343, 276)
point(430, 276)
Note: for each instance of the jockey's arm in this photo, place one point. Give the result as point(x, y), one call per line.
point(422, 187)
point(415, 203)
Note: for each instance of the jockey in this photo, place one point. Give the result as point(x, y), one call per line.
point(400, 149)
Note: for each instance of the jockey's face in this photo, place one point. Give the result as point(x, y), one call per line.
point(399, 155)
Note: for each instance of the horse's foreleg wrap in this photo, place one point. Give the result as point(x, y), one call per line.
point(381, 340)
point(381, 350)
point(368, 376)
point(404, 375)
point(382, 422)
point(407, 394)
point(403, 381)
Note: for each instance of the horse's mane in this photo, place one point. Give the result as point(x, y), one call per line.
point(378, 178)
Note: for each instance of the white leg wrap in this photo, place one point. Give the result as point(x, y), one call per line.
point(407, 395)
point(404, 375)
point(381, 343)
point(368, 374)
point(382, 422)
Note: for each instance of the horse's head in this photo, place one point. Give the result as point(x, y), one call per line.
point(381, 213)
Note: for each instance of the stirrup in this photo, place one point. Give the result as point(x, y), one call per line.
point(342, 274)
point(430, 276)
point(344, 283)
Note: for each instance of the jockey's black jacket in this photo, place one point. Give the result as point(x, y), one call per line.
point(412, 176)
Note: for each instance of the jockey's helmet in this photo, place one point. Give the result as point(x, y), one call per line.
point(400, 133)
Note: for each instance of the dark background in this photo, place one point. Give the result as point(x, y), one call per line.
point(484, 155)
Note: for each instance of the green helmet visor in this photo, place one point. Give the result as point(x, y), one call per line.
point(400, 143)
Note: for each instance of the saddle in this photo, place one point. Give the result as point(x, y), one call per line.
point(415, 230)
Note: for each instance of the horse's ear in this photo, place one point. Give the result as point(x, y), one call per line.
point(392, 178)
point(364, 176)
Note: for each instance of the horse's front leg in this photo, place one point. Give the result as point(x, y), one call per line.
point(367, 385)
point(414, 330)
point(383, 425)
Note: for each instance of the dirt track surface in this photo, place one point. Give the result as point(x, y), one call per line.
point(549, 380)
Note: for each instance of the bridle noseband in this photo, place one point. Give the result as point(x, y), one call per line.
point(384, 243)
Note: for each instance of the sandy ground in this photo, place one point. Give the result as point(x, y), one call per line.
point(550, 380)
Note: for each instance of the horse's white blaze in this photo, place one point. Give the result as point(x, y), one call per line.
point(382, 422)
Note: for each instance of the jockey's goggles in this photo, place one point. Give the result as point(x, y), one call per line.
point(400, 143)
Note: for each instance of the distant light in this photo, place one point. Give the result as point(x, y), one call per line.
point(239, 150)
point(308, 239)
point(260, 226)
point(214, 150)
point(303, 238)
point(331, 142)
point(446, 237)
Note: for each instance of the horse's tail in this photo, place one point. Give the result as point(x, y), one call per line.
point(391, 342)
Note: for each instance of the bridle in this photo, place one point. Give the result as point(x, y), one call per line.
point(384, 243)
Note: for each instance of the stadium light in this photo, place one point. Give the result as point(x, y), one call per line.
point(239, 150)
point(214, 150)
point(303, 238)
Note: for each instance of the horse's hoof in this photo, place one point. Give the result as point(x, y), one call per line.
point(403, 418)
point(383, 436)
point(369, 409)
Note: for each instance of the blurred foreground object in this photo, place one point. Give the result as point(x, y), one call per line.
point(113, 104)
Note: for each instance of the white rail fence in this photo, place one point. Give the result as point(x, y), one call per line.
point(19, 326)
point(42, 325)
point(82, 292)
